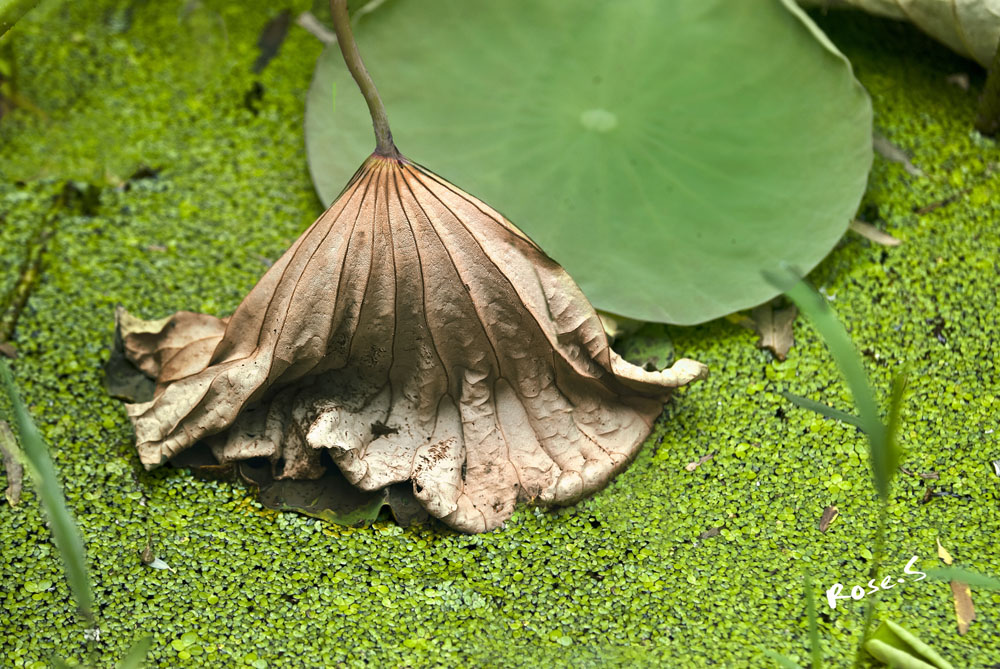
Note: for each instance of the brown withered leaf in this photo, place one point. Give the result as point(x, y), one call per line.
point(122, 379)
point(417, 336)
point(329, 497)
point(774, 325)
point(830, 514)
point(928, 494)
point(965, 611)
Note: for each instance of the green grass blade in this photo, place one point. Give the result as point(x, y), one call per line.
point(970, 578)
point(136, 655)
point(815, 645)
point(64, 529)
point(814, 306)
point(783, 660)
point(12, 10)
point(896, 394)
point(823, 409)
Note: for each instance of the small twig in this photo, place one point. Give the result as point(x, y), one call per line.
point(890, 151)
point(14, 302)
point(315, 27)
point(928, 208)
point(691, 466)
point(873, 234)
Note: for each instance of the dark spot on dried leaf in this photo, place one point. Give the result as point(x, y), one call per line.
point(380, 429)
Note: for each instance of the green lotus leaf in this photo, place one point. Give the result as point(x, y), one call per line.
point(663, 152)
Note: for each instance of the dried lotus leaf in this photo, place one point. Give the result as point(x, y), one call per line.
point(417, 336)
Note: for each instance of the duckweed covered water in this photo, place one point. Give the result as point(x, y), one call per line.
point(203, 182)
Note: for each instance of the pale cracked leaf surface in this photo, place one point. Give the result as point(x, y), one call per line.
point(414, 334)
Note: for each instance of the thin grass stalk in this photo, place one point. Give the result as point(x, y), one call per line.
point(69, 543)
point(815, 646)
